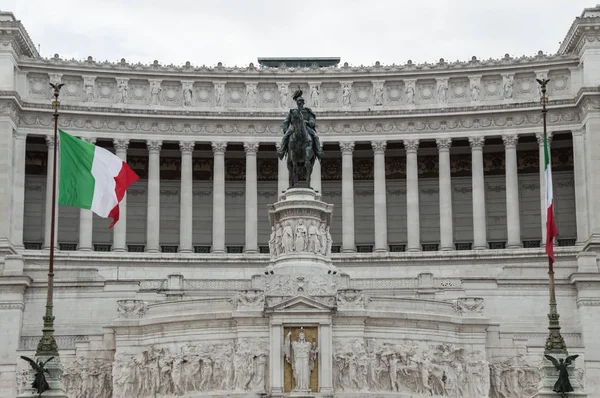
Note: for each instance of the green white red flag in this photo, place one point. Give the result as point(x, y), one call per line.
point(92, 178)
point(551, 229)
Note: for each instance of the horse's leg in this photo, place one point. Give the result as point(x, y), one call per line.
point(308, 165)
point(290, 167)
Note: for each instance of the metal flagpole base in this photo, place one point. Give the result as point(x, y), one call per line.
point(57, 388)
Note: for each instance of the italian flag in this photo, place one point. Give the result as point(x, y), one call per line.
point(551, 229)
point(92, 178)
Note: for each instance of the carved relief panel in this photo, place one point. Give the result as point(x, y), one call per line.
point(560, 83)
point(492, 87)
point(105, 90)
point(394, 92)
point(171, 93)
point(73, 89)
point(330, 95)
point(139, 92)
point(426, 91)
point(235, 95)
point(38, 86)
point(459, 90)
point(525, 86)
point(268, 96)
point(363, 94)
point(203, 94)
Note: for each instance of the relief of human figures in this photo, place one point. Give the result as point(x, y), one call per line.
point(305, 237)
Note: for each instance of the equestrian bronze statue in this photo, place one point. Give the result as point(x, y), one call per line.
point(300, 142)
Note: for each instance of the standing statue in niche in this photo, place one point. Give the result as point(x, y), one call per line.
point(300, 142)
point(314, 243)
point(410, 94)
point(314, 96)
point(278, 239)
point(154, 93)
point(563, 384)
point(287, 241)
point(300, 243)
point(40, 384)
point(301, 355)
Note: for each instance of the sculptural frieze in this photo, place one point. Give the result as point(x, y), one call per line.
point(350, 299)
point(240, 365)
point(514, 377)
point(131, 308)
point(303, 236)
point(292, 285)
point(250, 300)
point(469, 305)
point(409, 367)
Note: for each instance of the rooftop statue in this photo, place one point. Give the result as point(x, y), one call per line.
point(300, 142)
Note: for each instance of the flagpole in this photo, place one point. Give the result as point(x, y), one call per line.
point(555, 344)
point(47, 346)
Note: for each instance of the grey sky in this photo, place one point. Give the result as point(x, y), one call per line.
point(236, 32)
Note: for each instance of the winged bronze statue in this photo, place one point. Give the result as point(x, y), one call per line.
point(57, 86)
point(40, 384)
point(563, 384)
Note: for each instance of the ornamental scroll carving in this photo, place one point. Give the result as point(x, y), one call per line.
point(293, 285)
point(250, 300)
point(409, 367)
point(469, 305)
point(350, 299)
point(131, 309)
point(202, 367)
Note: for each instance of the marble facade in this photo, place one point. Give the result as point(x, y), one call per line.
point(428, 277)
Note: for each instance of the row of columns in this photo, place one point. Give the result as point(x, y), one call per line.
point(348, 227)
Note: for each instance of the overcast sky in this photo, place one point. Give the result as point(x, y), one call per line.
point(236, 32)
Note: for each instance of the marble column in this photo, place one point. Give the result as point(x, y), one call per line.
point(153, 196)
point(251, 246)
point(186, 195)
point(86, 221)
point(18, 191)
point(445, 186)
point(348, 244)
point(479, 221)
point(218, 219)
point(579, 176)
point(540, 140)
point(513, 220)
point(380, 196)
point(282, 173)
point(413, 224)
point(315, 177)
point(48, 213)
point(276, 358)
point(120, 228)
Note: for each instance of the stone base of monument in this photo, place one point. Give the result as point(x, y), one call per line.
point(549, 376)
point(54, 378)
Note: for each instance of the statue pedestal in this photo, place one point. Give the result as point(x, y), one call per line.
point(302, 394)
point(300, 243)
point(54, 378)
point(549, 376)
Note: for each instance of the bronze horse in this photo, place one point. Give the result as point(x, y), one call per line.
point(300, 152)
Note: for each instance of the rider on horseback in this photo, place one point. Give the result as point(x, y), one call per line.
point(310, 121)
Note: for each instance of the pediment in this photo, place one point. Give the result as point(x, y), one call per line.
point(300, 304)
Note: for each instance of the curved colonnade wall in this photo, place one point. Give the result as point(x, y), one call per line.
point(203, 140)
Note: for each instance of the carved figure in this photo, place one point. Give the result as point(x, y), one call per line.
point(442, 92)
point(346, 91)
point(278, 239)
point(314, 96)
point(287, 240)
point(259, 375)
point(273, 242)
point(155, 92)
point(219, 93)
point(251, 96)
point(187, 96)
point(251, 299)
point(89, 90)
point(563, 384)
point(301, 242)
point(300, 354)
point(474, 91)
point(322, 237)
point(300, 142)
point(40, 384)
point(314, 243)
point(122, 91)
point(379, 94)
point(329, 243)
point(283, 95)
point(508, 86)
point(410, 94)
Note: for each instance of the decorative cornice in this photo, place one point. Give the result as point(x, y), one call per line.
point(583, 30)
point(588, 302)
point(13, 32)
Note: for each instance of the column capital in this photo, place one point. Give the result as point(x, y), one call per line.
point(251, 148)
point(411, 145)
point(476, 142)
point(510, 140)
point(90, 140)
point(379, 146)
point(17, 135)
point(219, 147)
point(278, 145)
point(154, 146)
point(121, 144)
point(187, 146)
point(443, 144)
point(540, 138)
point(578, 132)
point(347, 147)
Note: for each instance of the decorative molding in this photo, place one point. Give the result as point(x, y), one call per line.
point(347, 147)
point(476, 142)
point(379, 146)
point(444, 144)
point(154, 146)
point(251, 148)
point(219, 148)
point(187, 146)
point(411, 145)
point(12, 306)
point(510, 140)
